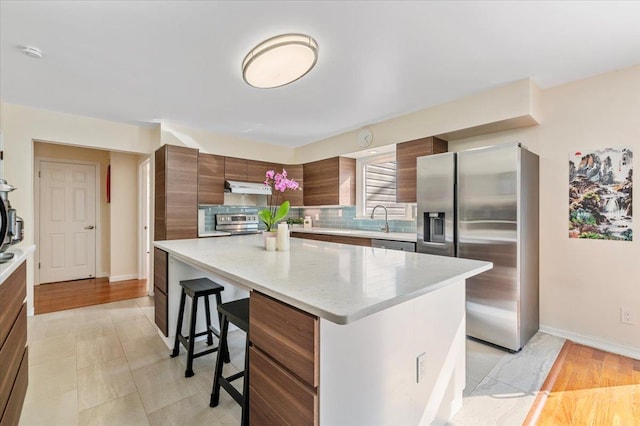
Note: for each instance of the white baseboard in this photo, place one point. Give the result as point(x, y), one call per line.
point(102, 275)
point(593, 342)
point(115, 278)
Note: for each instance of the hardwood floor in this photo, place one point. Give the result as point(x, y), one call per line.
point(60, 296)
point(587, 386)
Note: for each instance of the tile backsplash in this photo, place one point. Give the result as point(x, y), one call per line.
point(328, 217)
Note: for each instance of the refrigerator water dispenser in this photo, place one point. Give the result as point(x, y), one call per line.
point(434, 227)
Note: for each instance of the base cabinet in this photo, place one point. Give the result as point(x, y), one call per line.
point(283, 363)
point(13, 346)
point(354, 241)
point(161, 294)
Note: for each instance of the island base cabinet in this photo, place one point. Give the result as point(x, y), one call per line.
point(160, 289)
point(283, 363)
point(271, 388)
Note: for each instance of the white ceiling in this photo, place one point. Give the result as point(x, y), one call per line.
point(147, 61)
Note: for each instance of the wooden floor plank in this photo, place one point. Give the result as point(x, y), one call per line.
point(589, 387)
point(60, 296)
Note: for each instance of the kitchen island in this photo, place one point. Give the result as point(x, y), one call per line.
point(370, 315)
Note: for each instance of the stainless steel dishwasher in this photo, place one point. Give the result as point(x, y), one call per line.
point(394, 245)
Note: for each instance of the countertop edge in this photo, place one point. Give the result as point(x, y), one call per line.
point(20, 254)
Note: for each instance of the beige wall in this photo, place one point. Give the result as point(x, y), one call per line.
point(66, 152)
point(124, 216)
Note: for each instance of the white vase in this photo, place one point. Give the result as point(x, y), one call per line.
point(269, 234)
point(283, 237)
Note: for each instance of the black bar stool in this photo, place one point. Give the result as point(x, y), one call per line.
point(200, 287)
point(237, 313)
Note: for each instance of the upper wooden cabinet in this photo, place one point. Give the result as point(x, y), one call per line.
point(256, 170)
point(235, 168)
point(406, 154)
point(210, 179)
point(295, 172)
point(176, 193)
point(330, 182)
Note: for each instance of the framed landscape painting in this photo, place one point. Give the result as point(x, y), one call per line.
point(601, 194)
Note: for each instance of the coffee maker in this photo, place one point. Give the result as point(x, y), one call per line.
point(11, 226)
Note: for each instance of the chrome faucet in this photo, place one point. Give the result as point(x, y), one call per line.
point(386, 216)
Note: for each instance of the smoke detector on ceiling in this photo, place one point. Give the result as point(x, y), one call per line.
point(32, 52)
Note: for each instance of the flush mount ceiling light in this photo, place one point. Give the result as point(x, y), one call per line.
point(279, 60)
point(32, 52)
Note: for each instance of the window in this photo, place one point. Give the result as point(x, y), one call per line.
point(379, 187)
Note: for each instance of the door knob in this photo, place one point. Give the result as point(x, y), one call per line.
point(89, 227)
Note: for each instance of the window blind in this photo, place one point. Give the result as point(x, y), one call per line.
point(380, 188)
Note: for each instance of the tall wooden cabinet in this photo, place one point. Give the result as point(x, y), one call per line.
point(406, 154)
point(330, 182)
point(14, 368)
point(176, 193)
point(210, 179)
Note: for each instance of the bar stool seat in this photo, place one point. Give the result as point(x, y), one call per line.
point(195, 289)
point(237, 313)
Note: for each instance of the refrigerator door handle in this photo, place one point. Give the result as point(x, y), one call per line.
point(429, 243)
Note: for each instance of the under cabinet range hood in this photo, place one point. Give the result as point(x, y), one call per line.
point(237, 187)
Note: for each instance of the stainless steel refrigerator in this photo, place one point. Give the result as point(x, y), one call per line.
point(483, 204)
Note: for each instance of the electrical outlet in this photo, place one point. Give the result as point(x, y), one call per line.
point(317, 216)
point(339, 212)
point(421, 366)
point(627, 316)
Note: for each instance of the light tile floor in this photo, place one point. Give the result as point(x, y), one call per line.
point(106, 364)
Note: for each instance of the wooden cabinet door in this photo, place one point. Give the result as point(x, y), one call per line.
point(341, 239)
point(330, 182)
point(12, 293)
point(235, 169)
point(256, 170)
point(176, 193)
point(406, 154)
point(160, 278)
point(283, 363)
point(295, 172)
point(276, 397)
point(210, 179)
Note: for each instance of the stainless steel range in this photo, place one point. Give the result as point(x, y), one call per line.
point(237, 223)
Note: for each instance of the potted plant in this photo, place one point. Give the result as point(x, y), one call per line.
point(276, 211)
point(295, 222)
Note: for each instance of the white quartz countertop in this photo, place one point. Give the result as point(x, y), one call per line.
point(394, 236)
point(20, 253)
point(337, 282)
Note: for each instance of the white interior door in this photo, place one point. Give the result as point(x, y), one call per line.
point(67, 221)
point(145, 219)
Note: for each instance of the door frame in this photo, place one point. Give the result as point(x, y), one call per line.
point(36, 213)
point(144, 196)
